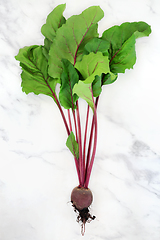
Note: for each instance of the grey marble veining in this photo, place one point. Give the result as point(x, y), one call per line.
point(37, 172)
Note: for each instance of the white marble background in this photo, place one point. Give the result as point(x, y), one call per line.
point(37, 172)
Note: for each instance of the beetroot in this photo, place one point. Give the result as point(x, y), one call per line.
point(81, 199)
point(74, 57)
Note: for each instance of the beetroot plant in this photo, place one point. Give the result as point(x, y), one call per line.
point(80, 62)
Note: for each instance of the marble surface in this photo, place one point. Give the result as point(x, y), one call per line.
point(37, 172)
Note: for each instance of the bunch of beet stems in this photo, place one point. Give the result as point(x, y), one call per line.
point(85, 161)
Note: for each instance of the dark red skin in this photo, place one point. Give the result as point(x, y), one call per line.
point(81, 197)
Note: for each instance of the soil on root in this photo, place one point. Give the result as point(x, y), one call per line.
point(83, 217)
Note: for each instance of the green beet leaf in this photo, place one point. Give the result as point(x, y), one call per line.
point(72, 37)
point(109, 78)
point(54, 21)
point(122, 38)
point(84, 91)
point(93, 64)
point(125, 58)
point(34, 74)
point(73, 145)
point(97, 86)
point(69, 78)
point(46, 47)
point(91, 68)
point(97, 45)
